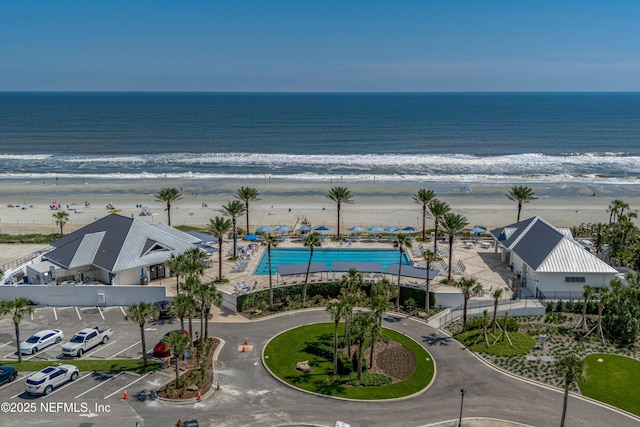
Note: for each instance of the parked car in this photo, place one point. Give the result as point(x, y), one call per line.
point(161, 306)
point(40, 340)
point(46, 380)
point(161, 349)
point(84, 340)
point(7, 374)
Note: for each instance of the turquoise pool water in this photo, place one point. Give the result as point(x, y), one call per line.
point(283, 256)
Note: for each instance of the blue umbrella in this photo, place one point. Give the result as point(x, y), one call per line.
point(322, 228)
point(263, 229)
point(391, 229)
point(409, 229)
point(375, 229)
point(283, 228)
point(305, 228)
point(251, 237)
point(142, 275)
point(478, 229)
point(356, 228)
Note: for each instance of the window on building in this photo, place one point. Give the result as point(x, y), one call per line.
point(575, 279)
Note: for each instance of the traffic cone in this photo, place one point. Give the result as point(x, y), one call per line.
point(244, 350)
point(199, 398)
point(126, 396)
point(218, 387)
point(246, 341)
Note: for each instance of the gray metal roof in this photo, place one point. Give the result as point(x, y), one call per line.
point(291, 269)
point(362, 267)
point(547, 249)
point(116, 243)
point(410, 271)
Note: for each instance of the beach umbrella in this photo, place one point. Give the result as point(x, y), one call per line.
point(283, 228)
point(251, 237)
point(305, 228)
point(409, 229)
point(322, 228)
point(263, 229)
point(375, 229)
point(356, 228)
point(391, 229)
point(142, 274)
point(478, 229)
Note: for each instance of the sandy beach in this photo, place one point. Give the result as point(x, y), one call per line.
point(25, 207)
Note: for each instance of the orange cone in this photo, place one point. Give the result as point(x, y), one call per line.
point(244, 350)
point(199, 398)
point(126, 396)
point(246, 341)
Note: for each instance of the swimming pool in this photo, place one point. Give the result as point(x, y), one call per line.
point(283, 256)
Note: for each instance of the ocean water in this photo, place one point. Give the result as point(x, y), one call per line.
point(460, 138)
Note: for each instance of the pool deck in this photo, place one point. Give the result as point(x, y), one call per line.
point(482, 263)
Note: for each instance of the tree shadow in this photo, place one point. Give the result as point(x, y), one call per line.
point(392, 319)
point(435, 339)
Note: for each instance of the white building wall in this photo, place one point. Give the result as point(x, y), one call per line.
point(553, 284)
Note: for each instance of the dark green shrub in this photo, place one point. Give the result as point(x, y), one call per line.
point(368, 379)
point(549, 307)
point(560, 306)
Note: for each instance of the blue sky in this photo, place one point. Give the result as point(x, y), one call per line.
point(304, 45)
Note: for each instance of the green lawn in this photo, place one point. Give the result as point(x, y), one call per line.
point(287, 349)
point(613, 381)
point(86, 365)
point(522, 343)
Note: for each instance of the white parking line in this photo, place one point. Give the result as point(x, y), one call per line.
point(31, 316)
point(7, 343)
point(67, 385)
point(122, 351)
point(65, 308)
point(78, 312)
point(17, 379)
point(129, 385)
point(55, 314)
point(124, 313)
point(100, 384)
point(9, 355)
point(103, 347)
point(38, 353)
point(100, 311)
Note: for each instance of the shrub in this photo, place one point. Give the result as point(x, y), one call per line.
point(555, 318)
point(549, 307)
point(368, 379)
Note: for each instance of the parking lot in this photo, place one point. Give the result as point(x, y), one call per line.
point(100, 393)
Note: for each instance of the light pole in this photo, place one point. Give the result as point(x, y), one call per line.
point(462, 392)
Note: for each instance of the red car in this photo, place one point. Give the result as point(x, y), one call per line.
point(161, 349)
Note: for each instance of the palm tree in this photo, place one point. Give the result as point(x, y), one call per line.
point(182, 306)
point(521, 194)
point(340, 195)
point(379, 300)
point(361, 325)
point(313, 240)
point(61, 218)
point(17, 308)
point(402, 241)
point(140, 313)
point(337, 308)
point(247, 194)
point(270, 242)
point(175, 264)
point(572, 370)
point(205, 294)
point(219, 227)
point(429, 258)
point(193, 262)
point(424, 197)
point(437, 209)
point(587, 292)
point(233, 209)
point(616, 210)
point(353, 294)
point(452, 225)
point(168, 196)
point(178, 343)
point(469, 287)
point(497, 294)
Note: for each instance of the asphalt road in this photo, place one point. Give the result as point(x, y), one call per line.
point(251, 397)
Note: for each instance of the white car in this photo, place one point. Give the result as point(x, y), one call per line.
point(45, 381)
point(40, 340)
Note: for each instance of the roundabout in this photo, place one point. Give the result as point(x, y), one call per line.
point(400, 367)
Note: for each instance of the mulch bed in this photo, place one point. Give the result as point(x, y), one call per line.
point(391, 359)
point(188, 365)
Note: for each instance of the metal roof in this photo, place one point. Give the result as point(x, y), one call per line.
point(547, 249)
point(362, 267)
point(116, 243)
point(291, 269)
point(410, 271)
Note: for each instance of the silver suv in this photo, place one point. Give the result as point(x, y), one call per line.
point(46, 380)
